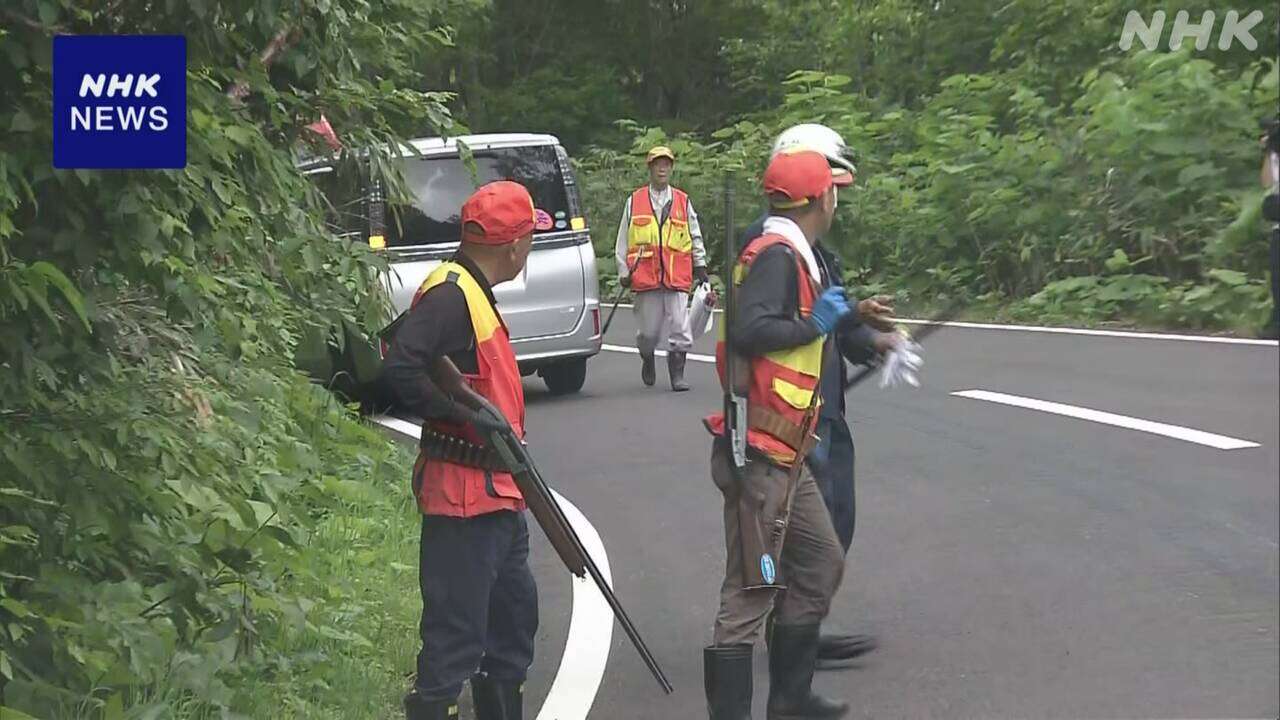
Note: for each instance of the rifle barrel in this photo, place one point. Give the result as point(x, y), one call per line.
point(513, 451)
point(601, 583)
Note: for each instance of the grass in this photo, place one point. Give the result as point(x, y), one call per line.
point(363, 578)
point(348, 651)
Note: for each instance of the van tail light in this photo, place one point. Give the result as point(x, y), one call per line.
point(595, 320)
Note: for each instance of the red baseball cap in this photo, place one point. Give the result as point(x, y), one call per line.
point(501, 212)
point(792, 178)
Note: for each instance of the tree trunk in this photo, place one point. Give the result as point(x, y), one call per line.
point(470, 81)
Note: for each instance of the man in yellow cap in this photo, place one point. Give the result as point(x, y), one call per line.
point(660, 254)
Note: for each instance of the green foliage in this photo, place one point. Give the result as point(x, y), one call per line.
point(990, 191)
point(348, 654)
point(1004, 145)
point(165, 471)
point(567, 97)
point(570, 67)
point(1226, 299)
point(548, 64)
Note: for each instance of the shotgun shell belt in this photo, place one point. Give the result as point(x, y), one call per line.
point(439, 446)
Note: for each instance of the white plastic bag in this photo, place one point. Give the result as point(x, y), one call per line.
point(902, 364)
point(701, 316)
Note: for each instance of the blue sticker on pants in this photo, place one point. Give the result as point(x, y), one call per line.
point(767, 570)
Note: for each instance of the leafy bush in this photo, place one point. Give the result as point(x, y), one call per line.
point(1227, 299)
point(989, 191)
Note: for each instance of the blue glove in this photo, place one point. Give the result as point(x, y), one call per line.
point(829, 309)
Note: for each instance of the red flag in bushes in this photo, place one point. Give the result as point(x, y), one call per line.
point(325, 131)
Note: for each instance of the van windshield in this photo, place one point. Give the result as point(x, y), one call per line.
point(439, 186)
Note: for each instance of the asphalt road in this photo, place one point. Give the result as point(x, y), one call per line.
point(1014, 563)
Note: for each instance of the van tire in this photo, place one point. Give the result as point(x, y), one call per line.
point(566, 376)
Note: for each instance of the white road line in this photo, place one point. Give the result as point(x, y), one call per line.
point(586, 651)
point(1130, 334)
point(661, 353)
point(1098, 333)
point(1221, 442)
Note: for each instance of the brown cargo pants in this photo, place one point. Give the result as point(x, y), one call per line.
point(811, 565)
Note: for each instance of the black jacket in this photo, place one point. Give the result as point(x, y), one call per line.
point(439, 325)
point(767, 316)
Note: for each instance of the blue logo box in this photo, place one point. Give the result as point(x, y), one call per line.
point(119, 101)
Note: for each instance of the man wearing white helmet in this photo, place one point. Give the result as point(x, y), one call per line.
point(861, 336)
point(813, 136)
point(783, 559)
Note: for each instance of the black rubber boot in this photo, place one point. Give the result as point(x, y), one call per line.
point(648, 373)
point(793, 650)
point(497, 699)
point(726, 675)
point(416, 707)
point(839, 651)
point(675, 367)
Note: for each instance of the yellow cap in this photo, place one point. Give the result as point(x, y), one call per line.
point(660, 151)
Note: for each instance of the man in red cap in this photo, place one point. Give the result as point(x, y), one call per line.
point(479, 601)
point(781, 327)
point(862, 336)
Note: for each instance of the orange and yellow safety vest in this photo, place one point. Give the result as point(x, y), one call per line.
point(782, 385)
point(446, 488)
point(660, 253)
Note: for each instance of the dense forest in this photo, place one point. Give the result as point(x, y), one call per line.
point(190, 528)
point(1011, 156)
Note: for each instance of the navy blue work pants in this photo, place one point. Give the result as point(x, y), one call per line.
point(831, 463)
point(479, 601)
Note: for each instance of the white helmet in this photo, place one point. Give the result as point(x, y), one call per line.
point(820, 138)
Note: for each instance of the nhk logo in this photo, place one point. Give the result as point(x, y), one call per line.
point(100, 117)
point(1234, 28)
point(119, 101)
